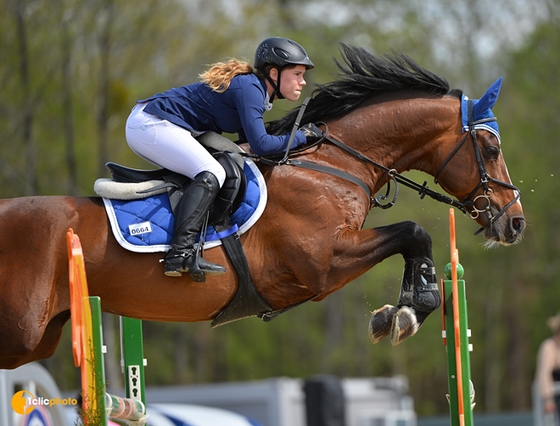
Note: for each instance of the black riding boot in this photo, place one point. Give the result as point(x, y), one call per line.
point(191, 212)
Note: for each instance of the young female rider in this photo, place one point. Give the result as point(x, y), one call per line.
point(231, 97)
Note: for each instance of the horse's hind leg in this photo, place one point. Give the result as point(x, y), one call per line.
point(419, 296)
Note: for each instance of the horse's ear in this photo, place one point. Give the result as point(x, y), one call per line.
point(488, 100)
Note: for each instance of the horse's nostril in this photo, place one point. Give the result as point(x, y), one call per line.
point(518, 224)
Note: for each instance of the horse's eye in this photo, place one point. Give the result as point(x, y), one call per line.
point(492, 151)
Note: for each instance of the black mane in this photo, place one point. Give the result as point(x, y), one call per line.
point(361, 77)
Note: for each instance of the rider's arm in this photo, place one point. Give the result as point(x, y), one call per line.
point(249, 102)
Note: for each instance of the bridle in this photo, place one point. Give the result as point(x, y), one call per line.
point(485, 178)
point(467, 206)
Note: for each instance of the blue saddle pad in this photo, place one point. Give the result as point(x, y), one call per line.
point(146, 225)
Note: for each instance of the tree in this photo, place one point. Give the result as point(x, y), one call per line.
point(28, 106)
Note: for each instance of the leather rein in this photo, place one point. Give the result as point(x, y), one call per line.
point(422, 189)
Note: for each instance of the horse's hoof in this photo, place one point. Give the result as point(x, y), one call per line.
point(380, 323)
point(404, 325)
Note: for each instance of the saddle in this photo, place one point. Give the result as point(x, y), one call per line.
point(247, 301)
point(229, 198)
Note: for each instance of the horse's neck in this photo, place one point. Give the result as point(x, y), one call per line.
point(405, 134)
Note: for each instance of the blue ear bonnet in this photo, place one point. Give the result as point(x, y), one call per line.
point(482, 108)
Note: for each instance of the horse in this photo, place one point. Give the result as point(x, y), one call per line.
point(382, 116)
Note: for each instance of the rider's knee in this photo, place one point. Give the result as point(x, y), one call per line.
point(218, 171)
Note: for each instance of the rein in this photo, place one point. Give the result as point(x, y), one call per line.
point(378, 201)
point(397, 178)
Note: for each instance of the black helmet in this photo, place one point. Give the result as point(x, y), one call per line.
point(281, 52)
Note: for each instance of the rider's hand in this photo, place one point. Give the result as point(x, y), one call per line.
point(312, 132)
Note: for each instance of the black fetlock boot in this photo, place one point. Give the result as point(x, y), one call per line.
point(192, 209)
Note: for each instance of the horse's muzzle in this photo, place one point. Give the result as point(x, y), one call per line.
point(506, 230)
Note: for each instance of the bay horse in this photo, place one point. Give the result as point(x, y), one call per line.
point(382, 116)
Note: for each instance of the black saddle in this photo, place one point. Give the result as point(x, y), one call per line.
point(228, 200)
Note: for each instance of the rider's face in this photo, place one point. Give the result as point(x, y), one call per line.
point(291, 81)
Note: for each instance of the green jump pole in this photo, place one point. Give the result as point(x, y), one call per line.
point(112, 405)
point(464, 350)
point(132, 358)
point(98, 364)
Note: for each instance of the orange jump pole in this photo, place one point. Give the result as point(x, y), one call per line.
point(88, 350)
point(456, 337)
point(87, 355)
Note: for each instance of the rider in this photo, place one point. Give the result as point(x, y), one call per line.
point(231, 97)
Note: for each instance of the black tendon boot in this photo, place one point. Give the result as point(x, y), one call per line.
point(419, 296)
point(191, 212)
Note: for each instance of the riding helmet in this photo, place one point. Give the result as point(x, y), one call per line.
point(281, 51)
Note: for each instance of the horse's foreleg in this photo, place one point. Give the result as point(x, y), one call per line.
point(419, 294)
point(418, 298)
point(357, 251)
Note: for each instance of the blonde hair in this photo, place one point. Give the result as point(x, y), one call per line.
point(219, 76)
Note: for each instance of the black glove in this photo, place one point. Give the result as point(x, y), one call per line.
point(312, 132)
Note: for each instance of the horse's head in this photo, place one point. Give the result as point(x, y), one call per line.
point(480, 178)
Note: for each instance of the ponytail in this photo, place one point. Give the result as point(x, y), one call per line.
point(219, 76)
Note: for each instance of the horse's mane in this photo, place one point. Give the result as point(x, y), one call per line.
point(361, 77)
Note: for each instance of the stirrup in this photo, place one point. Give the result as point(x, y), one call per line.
point(198, 268)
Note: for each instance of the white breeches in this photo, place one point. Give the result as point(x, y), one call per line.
point(169, 146)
